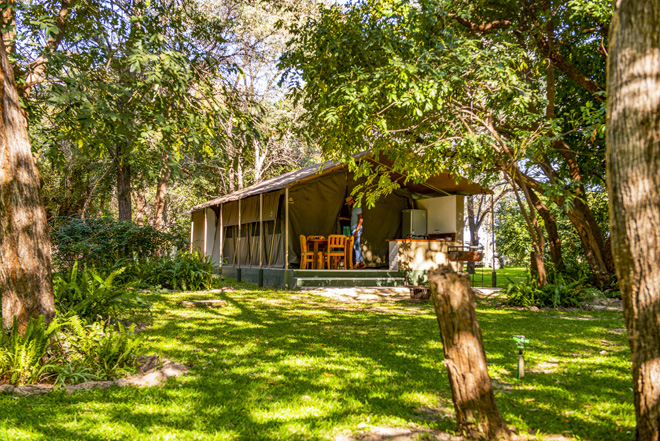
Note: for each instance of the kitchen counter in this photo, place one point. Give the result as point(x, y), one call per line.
point(420, 254)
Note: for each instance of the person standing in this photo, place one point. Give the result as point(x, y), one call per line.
point(356, 231)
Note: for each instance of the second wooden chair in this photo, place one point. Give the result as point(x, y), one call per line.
point(336, 250)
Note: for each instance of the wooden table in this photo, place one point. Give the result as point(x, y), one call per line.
point(318, 244)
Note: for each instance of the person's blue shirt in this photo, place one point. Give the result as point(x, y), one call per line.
point(355, 211)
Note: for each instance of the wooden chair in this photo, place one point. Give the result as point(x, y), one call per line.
point(348, 258)
point(306, 256)
point(336, 250)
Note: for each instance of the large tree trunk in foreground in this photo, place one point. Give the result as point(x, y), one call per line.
point(633, 160)
point(476, 411)
point(25, 264)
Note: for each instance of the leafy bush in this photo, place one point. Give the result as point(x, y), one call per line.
point(104, 242)
point(24, 359)
point(554, 295)
point(66, 352)
point(107, 352)
point(90, 295)
point(185, 271)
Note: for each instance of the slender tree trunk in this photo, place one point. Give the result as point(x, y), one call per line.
point(140, 206)
point(477, 414)
point(124, 202)
point(538, 241)
point(25, 262)
point(161, 192)
point(633, 160)
point(554, 241)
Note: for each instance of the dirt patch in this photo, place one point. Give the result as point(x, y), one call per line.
point(381, 433)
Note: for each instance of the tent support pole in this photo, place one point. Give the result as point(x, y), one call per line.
point(286, 234)
point(192, 229)
point(221, 245)
point(239, 242)
point(261, 239)
point(261, 230)
point(206, 230)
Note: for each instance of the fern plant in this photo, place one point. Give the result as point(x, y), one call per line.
point(109, 351)
point(183, 271)
point(23, 358)
point(91, 296)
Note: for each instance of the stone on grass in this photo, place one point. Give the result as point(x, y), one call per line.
point(201, 303)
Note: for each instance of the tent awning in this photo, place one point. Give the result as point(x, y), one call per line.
point(441, 185)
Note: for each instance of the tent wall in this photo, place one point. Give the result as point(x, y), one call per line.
point(244, 250)
point(381, 223)
point(197, 231)
point(313, 209)
point(212, 235)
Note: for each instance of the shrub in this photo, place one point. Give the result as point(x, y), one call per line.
point(560, 293)
point(24, 358)
point(185, 271)
point(104, 242)
point(66, 352)
point(105, 351)
point(91, 295)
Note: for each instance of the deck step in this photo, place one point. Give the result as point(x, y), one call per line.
point(332, 274)
point(306, 282)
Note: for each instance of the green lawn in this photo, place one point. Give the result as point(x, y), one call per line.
point(281, 365)
point(505, 276)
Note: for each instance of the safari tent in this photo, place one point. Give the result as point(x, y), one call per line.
point(257, 228)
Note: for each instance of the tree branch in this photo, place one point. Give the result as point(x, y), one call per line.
point(481, 27)
point(36, 69)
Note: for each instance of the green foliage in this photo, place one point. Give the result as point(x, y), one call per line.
point(104, 242)
point(91, 296)
point(106, 351)
point(66, 352)
point(24, 358)
point(182, 271)
point(561, 293)
point(512, 235)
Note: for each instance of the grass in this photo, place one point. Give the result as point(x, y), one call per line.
point(276, 365)
point(505, 276)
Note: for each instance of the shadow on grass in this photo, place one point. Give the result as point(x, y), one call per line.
point(305, 369)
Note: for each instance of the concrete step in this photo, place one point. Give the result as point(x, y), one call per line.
point(394, 291)
point(331, 274)
point(306, 282)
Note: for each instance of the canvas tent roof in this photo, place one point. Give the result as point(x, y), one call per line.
point(441, 184)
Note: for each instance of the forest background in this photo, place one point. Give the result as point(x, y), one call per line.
point(150, 108)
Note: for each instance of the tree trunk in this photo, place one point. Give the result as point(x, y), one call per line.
point(554, 242)
point(124, 203)
point(474, 402)
point(161, 192)
point(140, 206)
point(538, 241)
point(25, 263)
point(633, 161)
point(592, 240)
